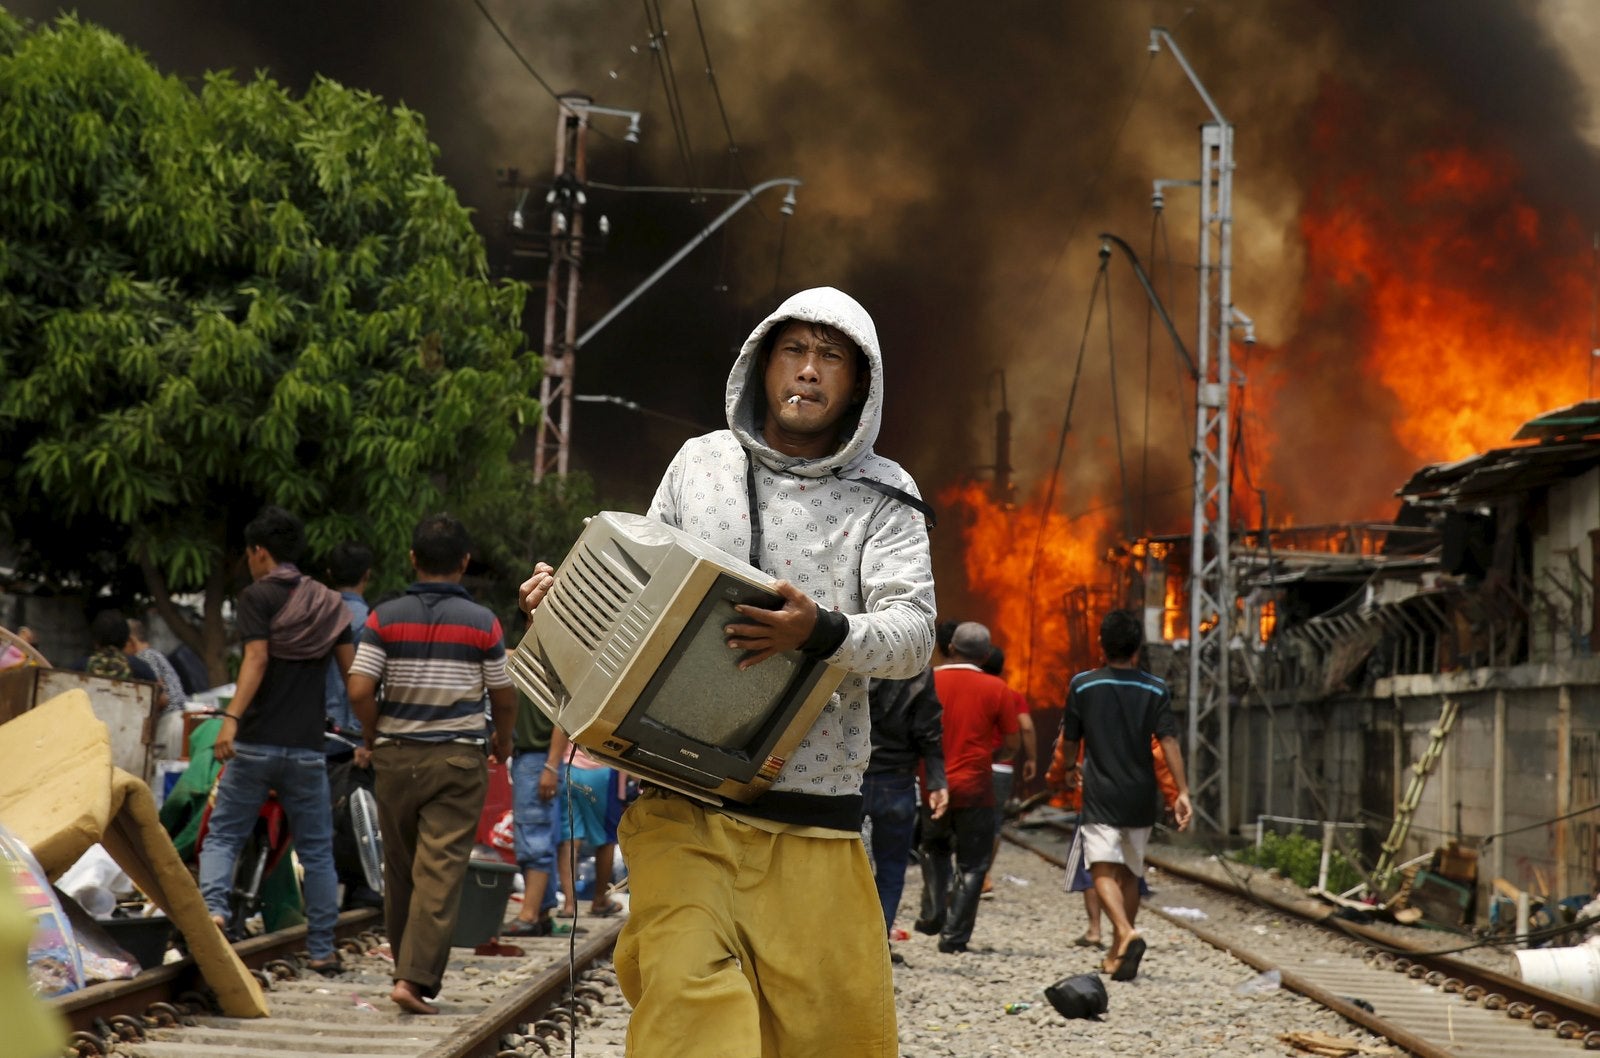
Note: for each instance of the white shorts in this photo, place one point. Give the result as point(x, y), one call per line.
point(1104, 843)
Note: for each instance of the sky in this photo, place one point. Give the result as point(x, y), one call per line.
point(1415, 202)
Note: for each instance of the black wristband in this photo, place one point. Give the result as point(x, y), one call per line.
point(826, 634)
point(230, 716)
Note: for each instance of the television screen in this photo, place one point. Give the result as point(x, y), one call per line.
point(704, 695)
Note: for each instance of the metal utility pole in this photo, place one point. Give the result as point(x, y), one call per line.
point(567, 198)
point(1211, 590)
point(1002, 491)
point(552, 444)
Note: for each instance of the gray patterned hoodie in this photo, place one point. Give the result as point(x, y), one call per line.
point(854, 549)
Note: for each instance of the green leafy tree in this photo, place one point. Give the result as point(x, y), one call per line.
point(216, 298)
point(514, 527)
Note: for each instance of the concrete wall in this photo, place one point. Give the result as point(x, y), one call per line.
point(61, 622)
point(1524, 749)
point(1563, 569)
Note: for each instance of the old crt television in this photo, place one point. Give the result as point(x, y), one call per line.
point(627, 654)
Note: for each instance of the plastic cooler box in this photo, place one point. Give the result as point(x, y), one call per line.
point(483, 902)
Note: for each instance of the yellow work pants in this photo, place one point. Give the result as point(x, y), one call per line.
point(743, 943)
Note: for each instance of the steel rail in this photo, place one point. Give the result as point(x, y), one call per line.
point(1418, 1046)
point(164, 997)
point(167, 983)
point(480, 1037)
point(1571, 1018)
point(1566, 1008)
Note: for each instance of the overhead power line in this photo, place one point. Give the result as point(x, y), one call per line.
point(669, 84)
point(716, 92)
point(526, 65)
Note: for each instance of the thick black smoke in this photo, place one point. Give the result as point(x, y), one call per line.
point(959, 160)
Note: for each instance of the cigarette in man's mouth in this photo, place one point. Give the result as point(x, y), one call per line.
point(794, 399)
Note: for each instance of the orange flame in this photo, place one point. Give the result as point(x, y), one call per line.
point(1044, 620)
point(1452, 308)
point(1174, 616)
point(1475, 305)
point(1269, 620)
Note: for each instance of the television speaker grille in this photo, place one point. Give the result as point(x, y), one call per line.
point(528, 672)
point(624, 641)
point(605, 592)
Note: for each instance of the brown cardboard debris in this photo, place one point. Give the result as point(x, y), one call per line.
point(1321, 1043)
point(60, 795)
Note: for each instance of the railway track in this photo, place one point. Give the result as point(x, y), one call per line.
point(1430, 1004)
point(525, 999)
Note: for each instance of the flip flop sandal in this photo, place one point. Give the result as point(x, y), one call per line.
point(1085, 942)
point(332, 968)
point(519, 928)
point(611, 908)
point(1128, 965)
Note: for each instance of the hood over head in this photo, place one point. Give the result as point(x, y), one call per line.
point(745, 401)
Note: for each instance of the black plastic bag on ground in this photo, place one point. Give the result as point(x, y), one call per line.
point(1078, 996)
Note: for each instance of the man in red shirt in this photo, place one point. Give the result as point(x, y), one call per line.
point(1004, 770)
point(977, 711)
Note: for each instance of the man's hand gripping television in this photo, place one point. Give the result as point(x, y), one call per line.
point(536, 587)
point(773, 631)
point(668, 658)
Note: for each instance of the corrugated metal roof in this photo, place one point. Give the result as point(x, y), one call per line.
point(1499, 472)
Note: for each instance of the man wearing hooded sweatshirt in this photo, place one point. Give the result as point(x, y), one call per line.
point(756, 928)
point(272, 732)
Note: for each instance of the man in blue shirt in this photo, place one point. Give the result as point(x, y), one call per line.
point(349, 567)
point(1115, 711)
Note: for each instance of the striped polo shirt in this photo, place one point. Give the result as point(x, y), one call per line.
point(434, 652)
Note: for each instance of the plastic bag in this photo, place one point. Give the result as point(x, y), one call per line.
point(1260, 984)
point(54, 966)
point(94, 879)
